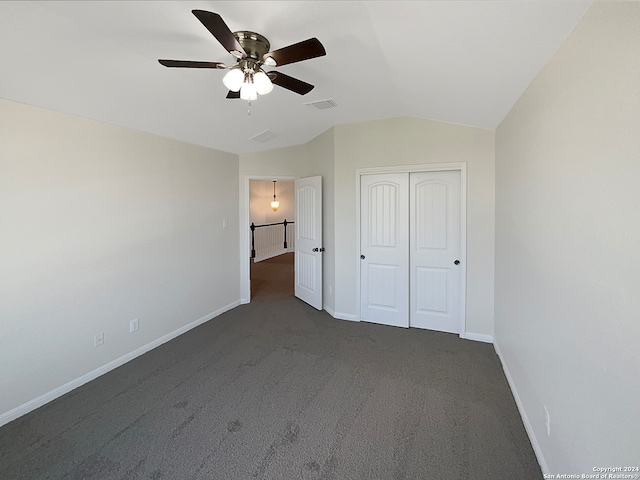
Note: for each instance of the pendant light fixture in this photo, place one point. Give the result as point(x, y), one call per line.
point(275, 204)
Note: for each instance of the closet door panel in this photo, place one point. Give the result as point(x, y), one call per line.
point(435, 246)
point(384, 249)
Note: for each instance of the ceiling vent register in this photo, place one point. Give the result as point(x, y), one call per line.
point(264, 136)
point(322, 104)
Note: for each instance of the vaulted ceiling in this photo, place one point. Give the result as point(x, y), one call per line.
point(464, 62)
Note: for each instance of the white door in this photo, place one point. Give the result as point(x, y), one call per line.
point(410, 241)
point(435, 247)
point(308, 249)
point(384, 249)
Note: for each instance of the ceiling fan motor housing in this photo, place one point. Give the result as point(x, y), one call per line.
point(254, 44)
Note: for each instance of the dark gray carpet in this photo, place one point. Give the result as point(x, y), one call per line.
point(278, 390)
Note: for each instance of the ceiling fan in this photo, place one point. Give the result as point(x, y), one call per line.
point(246, 79)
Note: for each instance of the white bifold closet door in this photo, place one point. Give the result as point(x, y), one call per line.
point(410, 250)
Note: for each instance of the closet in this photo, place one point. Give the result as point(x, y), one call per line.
point(411, 249)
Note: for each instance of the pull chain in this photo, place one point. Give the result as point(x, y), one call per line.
point(249, 107)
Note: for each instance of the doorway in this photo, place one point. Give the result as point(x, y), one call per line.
point(272, 237)
point(306, 205)
point(412, 247)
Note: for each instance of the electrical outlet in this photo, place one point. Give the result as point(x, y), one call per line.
point(225, 223)
point(98, 339)
point(133, 325)
point(547, 420)
point(330, 290)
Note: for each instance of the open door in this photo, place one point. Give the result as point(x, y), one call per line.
point(308, 250)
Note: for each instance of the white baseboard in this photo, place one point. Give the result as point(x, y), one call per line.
point(525, 419)
point(478, 337)
point(73, 384)
point(267, 256)
point(341, 316)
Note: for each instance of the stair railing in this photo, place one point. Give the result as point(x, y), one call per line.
point(253, 228)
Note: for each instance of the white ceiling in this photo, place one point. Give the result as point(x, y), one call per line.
point(464, 62)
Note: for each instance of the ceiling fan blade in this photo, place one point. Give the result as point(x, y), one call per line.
point(214, 23)
point(233, 94)
point(191, 64)
point(297, 52)
point(290, 83)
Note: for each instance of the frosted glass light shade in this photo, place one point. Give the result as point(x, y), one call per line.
point(275, 205)
point(233, 79)
point(248, 92)
point(262, 82)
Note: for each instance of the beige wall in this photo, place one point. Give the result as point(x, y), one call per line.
point(567, 238)
point(100, 225)
point(412, 141)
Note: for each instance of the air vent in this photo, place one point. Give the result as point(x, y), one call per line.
point(264, 137)
point(322, 104)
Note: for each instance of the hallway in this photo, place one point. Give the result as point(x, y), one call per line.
point(272, 278)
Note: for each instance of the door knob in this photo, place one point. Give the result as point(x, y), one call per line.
point(362, 257)
point(315, 249)
point(322, 249)
point(457, 262)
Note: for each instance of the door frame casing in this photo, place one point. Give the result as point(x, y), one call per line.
point(245, 248)
point(419, 168)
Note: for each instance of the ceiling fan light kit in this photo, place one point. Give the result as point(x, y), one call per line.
point(248, 82)
point(246, 79)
